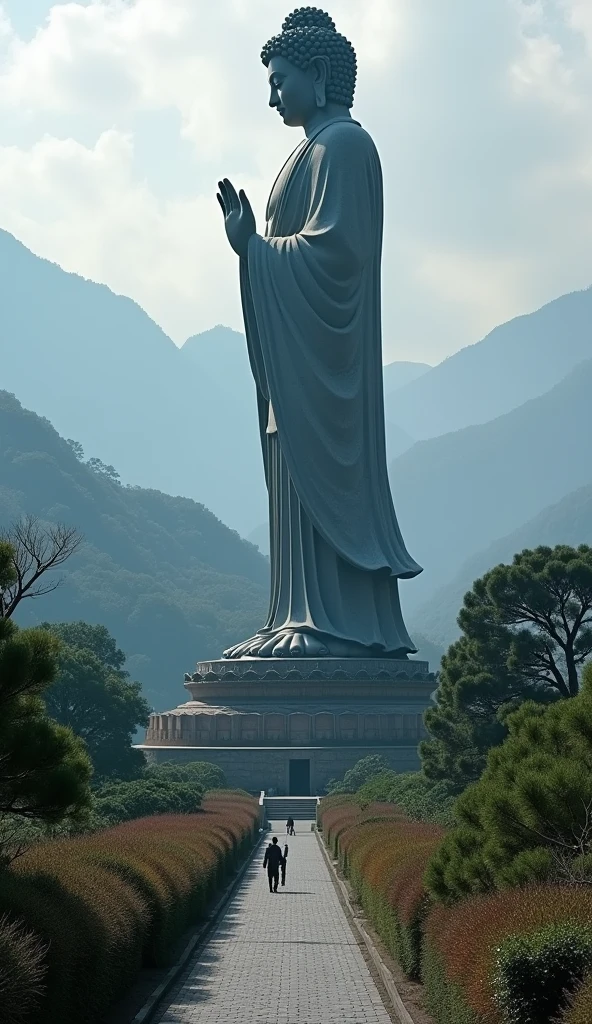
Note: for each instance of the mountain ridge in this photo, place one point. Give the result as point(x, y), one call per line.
point(458, 493)
point(517, 361)
point(568, 521)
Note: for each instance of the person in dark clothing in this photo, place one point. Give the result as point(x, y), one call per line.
point(273, 862)
point(290, 826)
point(284, 863)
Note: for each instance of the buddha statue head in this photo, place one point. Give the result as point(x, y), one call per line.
point(311, 68)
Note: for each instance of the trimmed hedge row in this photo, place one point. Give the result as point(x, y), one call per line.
point(521, 956)
point(338, 813)
point(384, 855)
point(385, 862)
point(100, 906)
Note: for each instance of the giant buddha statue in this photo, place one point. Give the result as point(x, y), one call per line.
point(311, 297)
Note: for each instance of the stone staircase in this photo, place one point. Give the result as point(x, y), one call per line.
point(280, 808)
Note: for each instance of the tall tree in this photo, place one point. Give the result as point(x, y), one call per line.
point(529, 818)
point(527, 631)
point(44, 768)
point(94, 696)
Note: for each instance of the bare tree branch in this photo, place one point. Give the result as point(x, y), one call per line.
point(37, 549)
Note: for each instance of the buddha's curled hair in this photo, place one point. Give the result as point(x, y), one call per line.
point(308, 33)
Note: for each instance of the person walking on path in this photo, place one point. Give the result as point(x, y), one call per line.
point(273, 861)
point(284, 864)
point(290, 826)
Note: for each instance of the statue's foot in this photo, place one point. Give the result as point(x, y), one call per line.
point(284, 644)
point(289, 643)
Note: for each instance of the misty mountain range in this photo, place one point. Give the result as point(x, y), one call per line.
point(489, 450)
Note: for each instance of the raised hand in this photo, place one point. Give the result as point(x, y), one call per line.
point(239, 219)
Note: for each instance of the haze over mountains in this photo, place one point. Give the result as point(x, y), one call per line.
point(519, 360)
point(458, 493)
point(567, 522)
point(483, 448)
point(106, 375)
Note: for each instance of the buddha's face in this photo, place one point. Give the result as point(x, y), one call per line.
point(292, 92)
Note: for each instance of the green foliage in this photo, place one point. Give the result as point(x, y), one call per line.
point(94, 697)
point(534, 973)
point(207, 776)
point(122, 801)
point(530, 816)
point(527, 631)
point(462, 944)
point(44, 768)
point(362, 771)
point(97, 466)
point(167, 788)
point(21, 971)
point(420, 798)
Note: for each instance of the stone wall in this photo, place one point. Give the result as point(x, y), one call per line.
point(257, 768)
point(193, 728)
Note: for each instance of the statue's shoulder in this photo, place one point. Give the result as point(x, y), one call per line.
point(347, 136)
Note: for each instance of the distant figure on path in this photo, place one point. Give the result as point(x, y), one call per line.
point(273, 861)
point(284, 864)
point(290, 826)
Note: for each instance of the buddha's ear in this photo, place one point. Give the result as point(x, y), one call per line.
point(320, 69)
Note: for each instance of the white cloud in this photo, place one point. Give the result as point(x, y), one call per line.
point(469, 103)
point(485, 289)
point(81, 208)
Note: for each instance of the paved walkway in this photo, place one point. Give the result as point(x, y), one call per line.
point(285, 959)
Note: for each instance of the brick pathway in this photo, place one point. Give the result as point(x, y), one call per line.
point(285, 959)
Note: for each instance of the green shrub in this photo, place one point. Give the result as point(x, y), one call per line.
point(420, 798)
point(22, 970)
point(533, 974)
point(122, 801)
point(207, 776)
point(363, 770)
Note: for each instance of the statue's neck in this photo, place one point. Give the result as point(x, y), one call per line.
point(327, 113)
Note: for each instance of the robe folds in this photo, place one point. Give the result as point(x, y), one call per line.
point(311, 295)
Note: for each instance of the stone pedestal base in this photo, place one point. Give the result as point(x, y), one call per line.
point(255, 717)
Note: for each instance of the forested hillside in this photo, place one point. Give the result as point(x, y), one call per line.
point(167, 578)
point(105, 374)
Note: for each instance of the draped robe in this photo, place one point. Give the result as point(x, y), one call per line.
point(311, 299)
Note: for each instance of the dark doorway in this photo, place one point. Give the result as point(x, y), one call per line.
point(300, 778)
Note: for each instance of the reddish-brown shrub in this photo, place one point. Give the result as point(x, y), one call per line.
point(339, 813)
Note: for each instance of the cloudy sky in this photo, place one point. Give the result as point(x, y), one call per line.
point(118, 116)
